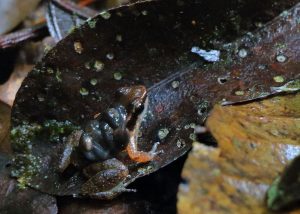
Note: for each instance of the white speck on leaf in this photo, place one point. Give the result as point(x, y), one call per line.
point(210, 56)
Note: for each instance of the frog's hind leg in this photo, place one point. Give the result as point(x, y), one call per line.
point(105, 179)
point(140, 156)
point(111, 194)
point(71, 143)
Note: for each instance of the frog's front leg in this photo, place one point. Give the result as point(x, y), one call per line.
point(132, 128)
point(105, 179)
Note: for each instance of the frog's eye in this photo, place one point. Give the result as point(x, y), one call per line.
point(140, 108)
point(136, 111)
point(136, 107)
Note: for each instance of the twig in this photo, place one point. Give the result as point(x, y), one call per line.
point(17, 37)
point(40, 30)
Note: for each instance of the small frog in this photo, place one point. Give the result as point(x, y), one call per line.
point(103, 138)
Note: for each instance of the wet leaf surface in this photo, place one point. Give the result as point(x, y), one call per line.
point(139, 44)
point(256, 141)
point(14, 200)
point(61, 22)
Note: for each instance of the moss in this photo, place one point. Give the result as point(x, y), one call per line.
point(273, 195)
point(118, 76)
point(92, 23)
point(22, 135)
point(105, 14)
point(145, 170)
point(83, 91)
point(93, 81)
point(98, 65)
point(294, 85)
point(71, 29)
point(278, 79)
point(55, 130)
point(25, 167)
point(280, 46)
point(25, 164)
point(239, 93)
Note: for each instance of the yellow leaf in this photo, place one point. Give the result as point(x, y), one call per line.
point(256, 141)
point(263, 134)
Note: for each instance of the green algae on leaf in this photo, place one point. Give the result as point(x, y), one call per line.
point(84, 91)
point(92, 23)
point(273, 194)
point(25, 137)
point(13, 199)
point(285, 190)
point(22, 135)
point(25, 166)
point(56, 129)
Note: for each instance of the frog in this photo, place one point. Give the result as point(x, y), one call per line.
point(113, 131)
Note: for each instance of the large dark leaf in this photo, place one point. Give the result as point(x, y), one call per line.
point(63, 17)
point(149, 43)
point(15, 200)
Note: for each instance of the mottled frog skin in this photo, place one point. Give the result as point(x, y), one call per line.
point(103, 138)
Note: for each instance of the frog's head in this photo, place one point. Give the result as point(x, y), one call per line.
point(133, 98)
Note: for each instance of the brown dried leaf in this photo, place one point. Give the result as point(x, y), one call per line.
point(28, 55)
point(9, 90)
point(213, 188)
point(4, 128)
point(256, 141)
point(263, 134)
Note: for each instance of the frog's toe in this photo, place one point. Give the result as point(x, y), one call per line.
point(127, 190)
point(154, 147)
point(153, 152)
